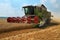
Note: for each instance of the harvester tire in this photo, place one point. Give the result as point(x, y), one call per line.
point(44, 22)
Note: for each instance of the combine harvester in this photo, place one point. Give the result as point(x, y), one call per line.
point(37, 15)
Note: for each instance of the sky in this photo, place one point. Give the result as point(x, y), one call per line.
point(13, 8)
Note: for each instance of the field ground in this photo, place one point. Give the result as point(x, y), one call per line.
point(26, 32)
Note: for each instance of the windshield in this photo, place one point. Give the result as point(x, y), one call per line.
point(26, 10)
point(29, 11)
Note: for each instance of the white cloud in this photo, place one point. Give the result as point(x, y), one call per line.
point(56, 5)
point(54, 2)
point(7, 10)
point(43, 1)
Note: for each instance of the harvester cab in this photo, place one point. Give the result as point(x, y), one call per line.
point(29, 10)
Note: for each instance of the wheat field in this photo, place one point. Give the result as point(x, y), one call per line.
point(26, 32)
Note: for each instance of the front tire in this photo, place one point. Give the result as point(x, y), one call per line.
point(44, 22)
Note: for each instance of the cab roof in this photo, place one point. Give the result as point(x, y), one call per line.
point(28, 6)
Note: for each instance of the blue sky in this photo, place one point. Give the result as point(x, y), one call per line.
point(14, 7)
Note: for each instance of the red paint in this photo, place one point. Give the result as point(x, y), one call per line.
point(29, 19)
point(9, 19)
point(23, 19)
point(36, 19)
point(18, 19)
